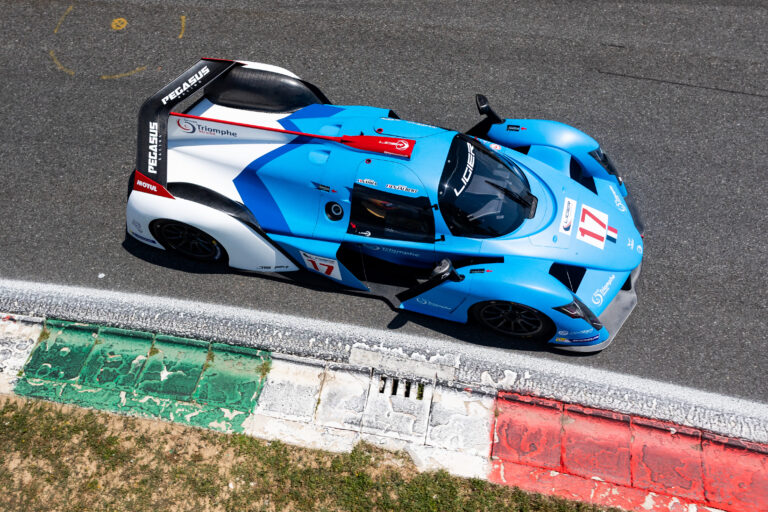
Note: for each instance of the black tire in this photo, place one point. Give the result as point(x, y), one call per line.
point(188, 241)
point(515, 321)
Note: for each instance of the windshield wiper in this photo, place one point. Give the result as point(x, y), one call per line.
point(511, 195)
point(528, 203)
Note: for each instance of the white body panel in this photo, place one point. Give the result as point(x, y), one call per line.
point(207, 109)
point(246, 249)
point(213, 154)
point(267, 67)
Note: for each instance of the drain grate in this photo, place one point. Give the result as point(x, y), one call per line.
point(402, 384)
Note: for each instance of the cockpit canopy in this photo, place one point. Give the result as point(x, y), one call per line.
point(481, 194)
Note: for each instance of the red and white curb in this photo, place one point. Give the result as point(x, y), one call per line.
point(623, 461)
point(555, 447)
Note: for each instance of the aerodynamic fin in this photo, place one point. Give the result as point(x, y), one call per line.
point(152, 148)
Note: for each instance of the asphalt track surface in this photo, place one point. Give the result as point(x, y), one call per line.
point(676, 92)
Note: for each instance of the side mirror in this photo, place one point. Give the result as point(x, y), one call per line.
point(444, 270)
point(484, 108)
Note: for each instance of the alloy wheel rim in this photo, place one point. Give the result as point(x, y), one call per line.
point(189, 241)
point(512, 319)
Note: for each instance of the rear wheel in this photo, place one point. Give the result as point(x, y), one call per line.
point(515, 320)
point(188, 241)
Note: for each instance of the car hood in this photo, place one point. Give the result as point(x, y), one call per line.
point(573, 225)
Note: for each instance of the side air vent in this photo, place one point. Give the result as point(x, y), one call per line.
point(569, 275)
point(604, 160)
point(212, 199)
point(578, 174)
point(477, 260)
point(522, 149)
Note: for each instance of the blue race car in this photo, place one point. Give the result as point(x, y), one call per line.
point(523, 225)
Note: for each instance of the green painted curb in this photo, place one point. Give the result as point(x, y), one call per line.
point(198, 383)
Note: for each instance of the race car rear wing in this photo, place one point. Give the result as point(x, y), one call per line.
point(152, 144)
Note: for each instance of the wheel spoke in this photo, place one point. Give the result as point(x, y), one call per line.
point(512, 319)
point(189, 241)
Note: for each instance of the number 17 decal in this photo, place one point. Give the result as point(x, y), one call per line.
point(593, 225)
point(322, 265)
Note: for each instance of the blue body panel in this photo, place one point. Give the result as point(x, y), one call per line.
point(288, 190)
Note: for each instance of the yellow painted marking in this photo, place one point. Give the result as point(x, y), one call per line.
point(123, 75)
point(61, 20)
point(183, 26)
point(60, 65)
point(119, 23)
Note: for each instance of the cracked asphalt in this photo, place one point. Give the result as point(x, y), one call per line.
point(676, 92)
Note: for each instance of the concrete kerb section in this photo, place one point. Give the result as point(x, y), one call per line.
point(554, 428)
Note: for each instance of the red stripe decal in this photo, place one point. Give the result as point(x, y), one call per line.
point(150, 186)
point(370, 143)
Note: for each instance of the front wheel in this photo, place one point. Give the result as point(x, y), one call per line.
point(188, 241)
point(515, 320)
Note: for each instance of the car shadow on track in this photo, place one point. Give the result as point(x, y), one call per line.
point(168, 260)
point(471, 332)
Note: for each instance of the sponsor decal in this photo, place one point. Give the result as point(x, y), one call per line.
point(565, 333)
point(190, 83)
point(400, 144)
point(639, 249)
point(597, 297)
point(617, 199)
point(631, 243)
point(569, 214)
point(477, 271)
point(425, 302)
point(186, 126)
point(514, 128)
point(578, 340)
point(367, 181)
point(364, 233)
point(143, 238)
point(322, 265)
point(192, 126)
point(393, 250)
point(468, 170)
point(154, 140)
point(612, 235)
point(144, 184)
point(402, 188)
point(584, 340)
point(593, 225)
point(137, 225)
point(495, 147)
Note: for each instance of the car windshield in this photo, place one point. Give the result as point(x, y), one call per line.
point(481, 195)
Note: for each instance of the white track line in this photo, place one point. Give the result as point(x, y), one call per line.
point(473, 366)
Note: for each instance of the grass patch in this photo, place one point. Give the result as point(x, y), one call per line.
point(264, 368)
point(44, 335)
point(57, 457)
point(209, 358)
